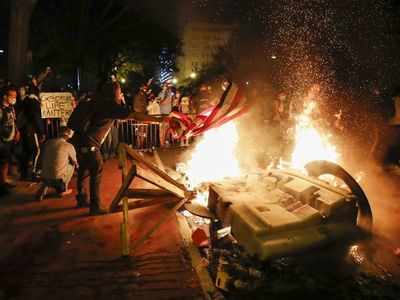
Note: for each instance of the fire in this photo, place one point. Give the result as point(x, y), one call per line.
point(311, 143)
point(214, 156)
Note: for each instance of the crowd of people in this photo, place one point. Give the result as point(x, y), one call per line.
point(169, 99)
point(21, 132)
point(27, 153)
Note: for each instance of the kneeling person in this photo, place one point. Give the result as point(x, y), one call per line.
point(58, 164)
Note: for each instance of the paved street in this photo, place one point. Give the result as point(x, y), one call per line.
point(52, 250)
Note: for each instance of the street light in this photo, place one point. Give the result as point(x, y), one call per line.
point(123, 80)
point(193, 75)
point(174, 80)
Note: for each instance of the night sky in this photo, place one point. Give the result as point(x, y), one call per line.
point(347, 43)
point(354, 42)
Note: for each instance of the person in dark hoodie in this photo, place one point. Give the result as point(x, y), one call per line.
point(91, 121)
point(33, 132)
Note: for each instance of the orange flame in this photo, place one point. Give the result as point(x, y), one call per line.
point(214, 156)
point(311, 143)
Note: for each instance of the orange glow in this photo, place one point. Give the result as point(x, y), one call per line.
point(311, 143)
point(214, 156)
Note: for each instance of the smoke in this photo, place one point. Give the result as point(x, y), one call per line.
point(346, 47)
point(259, 141)
point(381, 188)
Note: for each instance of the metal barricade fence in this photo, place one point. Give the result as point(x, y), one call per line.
point(52, 127)
point(141, 136)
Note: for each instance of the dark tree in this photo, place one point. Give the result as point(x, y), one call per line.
point(20, 17)
point(95, 36)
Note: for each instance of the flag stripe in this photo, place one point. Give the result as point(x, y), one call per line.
point(231, 105)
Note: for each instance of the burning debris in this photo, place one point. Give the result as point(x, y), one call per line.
point(264, 216)
point(254, 218)
point(243, 222)
point(261, 216)
point(281, 212)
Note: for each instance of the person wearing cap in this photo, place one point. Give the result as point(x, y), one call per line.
point(58, 164)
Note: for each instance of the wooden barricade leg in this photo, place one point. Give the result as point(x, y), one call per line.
point(124, 187)
point(122, 160)
point(125, 229)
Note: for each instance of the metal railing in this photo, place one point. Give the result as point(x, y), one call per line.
point(141, 136)
point(52, 127)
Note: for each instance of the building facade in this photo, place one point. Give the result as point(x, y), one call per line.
point(200, 42)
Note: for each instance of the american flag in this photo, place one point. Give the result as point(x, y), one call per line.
point(231, 105)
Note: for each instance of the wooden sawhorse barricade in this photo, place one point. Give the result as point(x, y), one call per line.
point(133, 166)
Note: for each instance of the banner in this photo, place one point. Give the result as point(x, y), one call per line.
point(56, 105)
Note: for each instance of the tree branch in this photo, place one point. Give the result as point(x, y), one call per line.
point(107, 8)
point(115, 18)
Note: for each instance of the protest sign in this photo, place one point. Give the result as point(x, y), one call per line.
point(56, 105)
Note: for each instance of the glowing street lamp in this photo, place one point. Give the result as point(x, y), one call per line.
point(174, 80)
point(123, 80)
point(193, 75)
